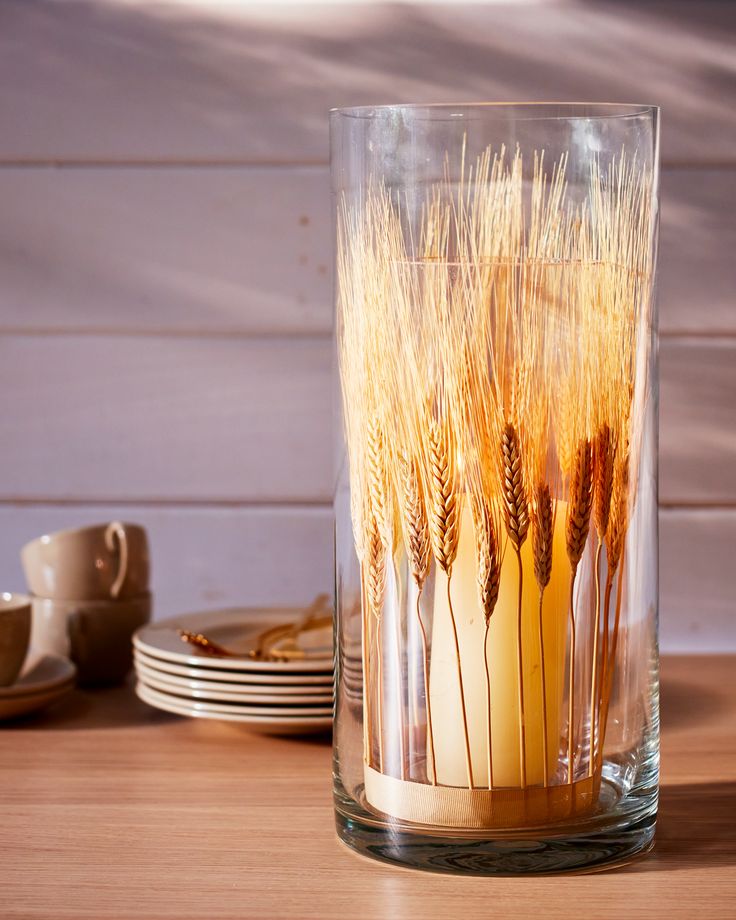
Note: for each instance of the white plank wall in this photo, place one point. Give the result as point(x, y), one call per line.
point(165, 266)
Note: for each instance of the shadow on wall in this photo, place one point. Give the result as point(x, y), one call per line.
point(188, 81)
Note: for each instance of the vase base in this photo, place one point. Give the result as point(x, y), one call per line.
point(526, 855)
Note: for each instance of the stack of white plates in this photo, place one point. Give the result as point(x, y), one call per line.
point(277, 697)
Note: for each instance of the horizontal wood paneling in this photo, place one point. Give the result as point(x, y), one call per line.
point(212, 557)
point(697, 580)
point(138, 418)
point(697, 271)
point(202, 558)
point(165, 418)
point(250, 250)
point(697, 437)
point(177, 81)
point(165, 250)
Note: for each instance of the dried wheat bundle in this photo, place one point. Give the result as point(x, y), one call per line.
point(491, 341)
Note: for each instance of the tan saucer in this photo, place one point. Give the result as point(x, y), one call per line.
point(44, 680)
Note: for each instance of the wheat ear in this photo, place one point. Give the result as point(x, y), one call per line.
point(580, 505)
point(444, 524)
point(516, 517)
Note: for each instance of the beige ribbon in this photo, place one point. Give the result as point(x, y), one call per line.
point(453, 806)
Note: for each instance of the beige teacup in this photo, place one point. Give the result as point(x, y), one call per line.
point(96, 635)
point(15, 631)
point(91, 563)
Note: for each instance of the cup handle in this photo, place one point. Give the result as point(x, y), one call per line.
point(116, 537)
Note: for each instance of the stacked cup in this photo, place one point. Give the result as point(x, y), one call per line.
point(90, 591)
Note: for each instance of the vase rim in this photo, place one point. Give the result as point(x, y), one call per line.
point(550, 111)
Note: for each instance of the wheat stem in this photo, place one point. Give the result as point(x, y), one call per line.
point(520, 666)
point(594, 668)
point(611, 663)
point(466, 733)
point(425, 657)
point(571, 687)
point(489, 731)
point(367, 718)
point(543, 678)
point(379, 693)
point(400, 690)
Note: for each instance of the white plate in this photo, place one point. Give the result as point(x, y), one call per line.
point(236, 677)
point(268, 725)
point(237, 629)
point(243, 708)
point(40, 673)
point(13, 706)
point(202, 690)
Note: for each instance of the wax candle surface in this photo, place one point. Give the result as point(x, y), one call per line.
point(501, 652)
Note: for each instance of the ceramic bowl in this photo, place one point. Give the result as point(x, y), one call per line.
point(15, 631)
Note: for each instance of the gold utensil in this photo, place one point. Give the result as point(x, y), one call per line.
point(269, 645)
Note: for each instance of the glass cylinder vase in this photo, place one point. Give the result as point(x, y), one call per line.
point(496, 495)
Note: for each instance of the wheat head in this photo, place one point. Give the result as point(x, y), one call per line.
point(542, 534)
point(580, 504)
point(603, 458)
point(488, 554)
point(515, 506)
point(444, 523)
point(416, 525)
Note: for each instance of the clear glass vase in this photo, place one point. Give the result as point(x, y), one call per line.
point(496, 497)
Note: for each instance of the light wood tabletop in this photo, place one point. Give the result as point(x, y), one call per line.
point(113, 809)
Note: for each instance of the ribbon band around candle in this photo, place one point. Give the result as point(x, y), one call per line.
point(454, 806)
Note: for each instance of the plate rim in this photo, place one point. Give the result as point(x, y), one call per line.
point(236, 677)
point(150, 678)
point(234, 708)
point(309, 724)
point(269, 615)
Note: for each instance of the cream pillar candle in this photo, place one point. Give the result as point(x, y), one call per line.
point(503, 666)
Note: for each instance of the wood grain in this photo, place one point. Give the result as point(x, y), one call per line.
point(228, 419)
point(113, 810)
point(203, 557)
point(697, 421)
point(245, 82)
point(166, 250)
point(696, 278)
point(697, 579)
point(166, 418)
point(249, 250)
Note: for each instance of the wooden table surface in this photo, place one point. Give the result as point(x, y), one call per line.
point(113, 809)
